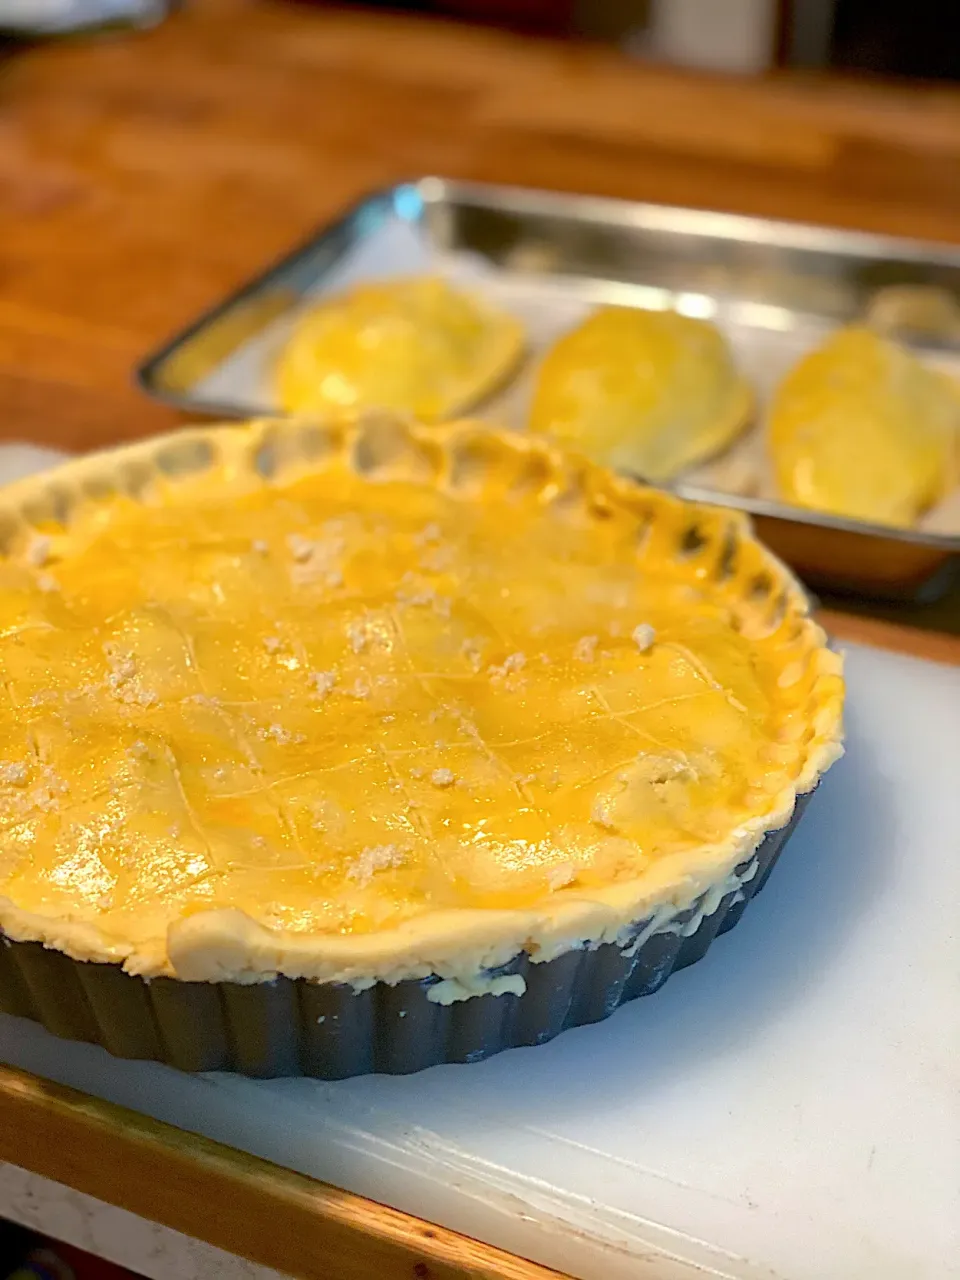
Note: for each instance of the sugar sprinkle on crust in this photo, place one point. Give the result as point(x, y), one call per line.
point(216, 944)
point(643, 636)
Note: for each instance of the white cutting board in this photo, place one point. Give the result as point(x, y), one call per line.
point(787, 1109)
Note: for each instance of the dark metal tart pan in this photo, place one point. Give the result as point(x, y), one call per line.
point(330, 1031)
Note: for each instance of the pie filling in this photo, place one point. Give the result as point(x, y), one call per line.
point(364, 698)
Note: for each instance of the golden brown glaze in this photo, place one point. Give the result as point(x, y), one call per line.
point(340, 702)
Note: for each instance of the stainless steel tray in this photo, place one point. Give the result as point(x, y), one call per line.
point(775, 288)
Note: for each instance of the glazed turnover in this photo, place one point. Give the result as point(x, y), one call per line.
point(646, 392)
point(417, 343)
point(361, 700)
point(862, 428)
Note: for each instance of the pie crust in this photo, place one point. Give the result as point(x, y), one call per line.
point(225, 552)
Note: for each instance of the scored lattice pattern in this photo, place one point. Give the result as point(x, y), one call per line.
point(336, 703)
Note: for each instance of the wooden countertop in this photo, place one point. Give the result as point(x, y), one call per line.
point(143, 175)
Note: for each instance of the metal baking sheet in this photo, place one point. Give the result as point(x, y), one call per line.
point(775, 288)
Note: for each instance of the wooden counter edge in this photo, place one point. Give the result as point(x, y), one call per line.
point(935, 646)
point(238, 1202)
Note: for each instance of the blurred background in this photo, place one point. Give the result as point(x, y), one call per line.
point(883, 37)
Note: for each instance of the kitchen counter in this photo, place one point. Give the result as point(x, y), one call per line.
point(143, 175)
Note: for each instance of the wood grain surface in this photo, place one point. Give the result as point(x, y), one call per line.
point(144, 175)
point(269, 1215)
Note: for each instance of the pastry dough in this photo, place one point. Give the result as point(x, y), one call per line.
point(862, 428)
point(358, 701)
point(646, 392)
point(416, 344)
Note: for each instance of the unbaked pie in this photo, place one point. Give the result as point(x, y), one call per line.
point(862, 428)
point(645, 392)
point(417, 343)
point(363, 722)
